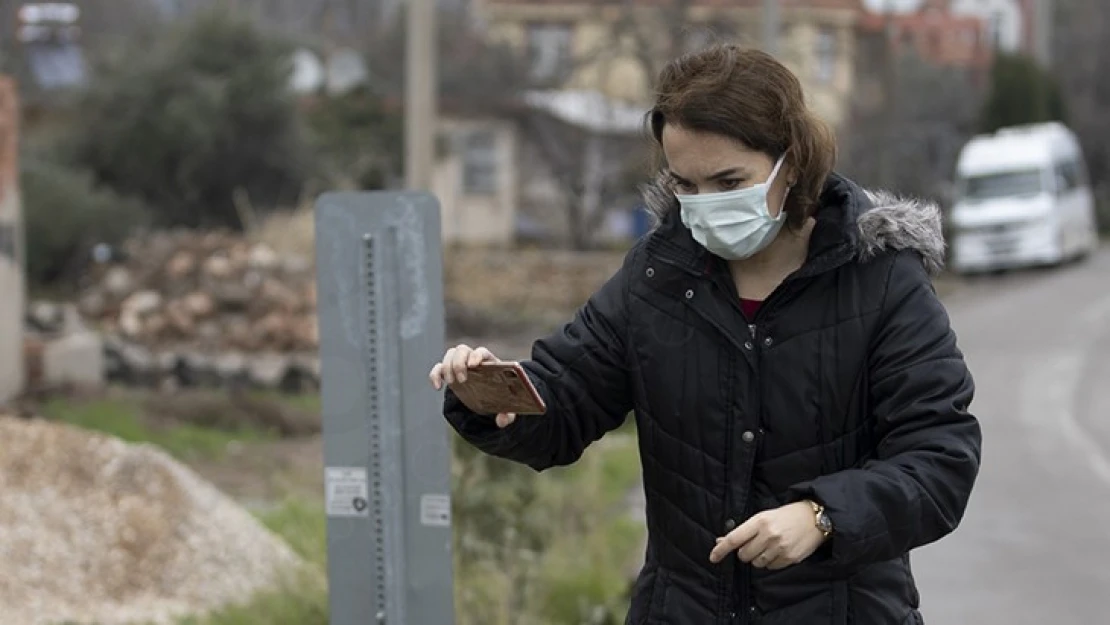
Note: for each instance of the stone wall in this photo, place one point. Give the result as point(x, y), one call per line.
point(492, 291)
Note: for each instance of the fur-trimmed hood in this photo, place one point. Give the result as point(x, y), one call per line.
point(880, 220)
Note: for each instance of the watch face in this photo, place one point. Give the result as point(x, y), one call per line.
point(824, 523)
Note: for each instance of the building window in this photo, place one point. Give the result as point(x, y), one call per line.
point(826, 54)
point(479, 162)
point(996, 20)
point(549, 50)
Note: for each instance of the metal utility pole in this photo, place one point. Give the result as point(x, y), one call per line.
point(771, 27)
point(420, 94)
point(387, 456)
point(891, 56)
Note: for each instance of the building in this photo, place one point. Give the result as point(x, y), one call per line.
point(1009, 24)
point(47, 49)
point(476, 180)
point(616, 48)
point(936, 34)
point(507, 177)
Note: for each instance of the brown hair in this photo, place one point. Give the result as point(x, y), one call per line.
point(747, 95)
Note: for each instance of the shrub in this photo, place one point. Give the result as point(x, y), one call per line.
point(1021, 92)
point(65, 214)
point(196, 121)
point(359, 139)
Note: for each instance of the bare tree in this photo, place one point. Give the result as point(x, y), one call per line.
point(906, 128)
point(598, 167)
point(590, 164)
point(1082, 42)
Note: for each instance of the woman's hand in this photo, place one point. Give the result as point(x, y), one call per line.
point(456, 362)
point(774, 539)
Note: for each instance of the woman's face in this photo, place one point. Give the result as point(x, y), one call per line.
point(701, 162)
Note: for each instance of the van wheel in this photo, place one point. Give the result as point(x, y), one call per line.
point(1087, 250)
point(1062, 256)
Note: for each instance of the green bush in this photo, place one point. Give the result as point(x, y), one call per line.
point(65, 214)
point(551, 549)
point(1021, 92)
point(359, 140)
point(202, 118)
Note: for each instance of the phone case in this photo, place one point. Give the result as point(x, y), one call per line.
point(494, 388)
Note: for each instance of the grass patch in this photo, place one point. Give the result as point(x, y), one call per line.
point(124, 418)
point(530, 549)
point(303, 525)
point(304, 402)
point(565, 560)
point(549, 549)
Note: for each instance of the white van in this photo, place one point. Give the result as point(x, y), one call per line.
point(1022, 199)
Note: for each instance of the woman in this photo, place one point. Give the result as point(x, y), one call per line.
point(801, 403)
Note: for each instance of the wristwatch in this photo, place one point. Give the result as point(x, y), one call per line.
point(821, 520)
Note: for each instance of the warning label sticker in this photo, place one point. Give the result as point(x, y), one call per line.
point(347, 492)
point(435, 510)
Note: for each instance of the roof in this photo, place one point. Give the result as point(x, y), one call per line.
point(1019, 146)
point(588, 109)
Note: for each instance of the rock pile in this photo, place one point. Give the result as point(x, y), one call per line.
point(96, 530)
point(193, 308)
point(214, 291)
point(200, 309)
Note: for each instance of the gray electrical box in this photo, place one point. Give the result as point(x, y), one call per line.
point(386, 454)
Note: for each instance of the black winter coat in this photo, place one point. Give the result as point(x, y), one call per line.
point(847, 388)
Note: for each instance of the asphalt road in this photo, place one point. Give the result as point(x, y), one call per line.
point(1034, 547)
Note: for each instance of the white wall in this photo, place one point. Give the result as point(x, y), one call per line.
point(1010, 20)
point(477, 218)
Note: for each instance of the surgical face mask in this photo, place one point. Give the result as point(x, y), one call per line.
point(734, 224)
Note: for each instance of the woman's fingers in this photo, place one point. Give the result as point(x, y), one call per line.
point(480, 355)
point(505, 419)
point(455, 364)
point(435, 376)
point(445, 367)
point(459, 362)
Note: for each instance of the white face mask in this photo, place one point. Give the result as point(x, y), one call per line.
point(734, 224)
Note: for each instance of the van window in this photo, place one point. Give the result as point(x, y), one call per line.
point(1069, 176)
point(1006, 184)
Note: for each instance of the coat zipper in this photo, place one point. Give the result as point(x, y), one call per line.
point(725, 601)
point(747, 601)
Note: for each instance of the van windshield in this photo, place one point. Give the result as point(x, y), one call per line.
point(1007, 184)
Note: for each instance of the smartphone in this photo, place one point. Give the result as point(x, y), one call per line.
point(495, 387)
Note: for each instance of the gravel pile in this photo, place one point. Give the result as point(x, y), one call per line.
point(94, 530)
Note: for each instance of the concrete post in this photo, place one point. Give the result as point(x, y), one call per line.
point(12, 262)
